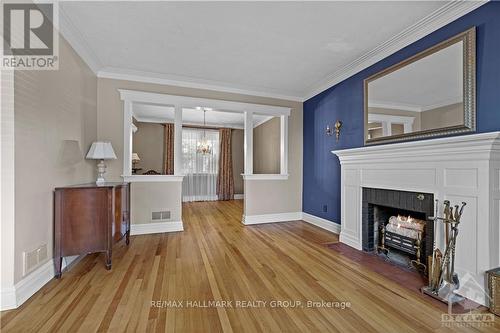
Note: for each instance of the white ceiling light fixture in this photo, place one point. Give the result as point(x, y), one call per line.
point(204, 147)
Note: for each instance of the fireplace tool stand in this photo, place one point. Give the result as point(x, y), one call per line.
point(443, 280)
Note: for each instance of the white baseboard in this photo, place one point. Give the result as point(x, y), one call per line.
point(239, 196)
point(322, 223)
point(33, 282)
point(348, 240)
point(8, 299)
point(155, 228)
point(12, 298)
point(271, 218)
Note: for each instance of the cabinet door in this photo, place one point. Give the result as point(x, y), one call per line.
point(84, 220)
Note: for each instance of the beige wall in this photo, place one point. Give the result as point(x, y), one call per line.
point(450, 115)
point(238, 155)
point(146, 198)
point(266, 147)
point(148, 144)
point(271, 197)
point(280, 196)
point(51, 107)
point(287, 193)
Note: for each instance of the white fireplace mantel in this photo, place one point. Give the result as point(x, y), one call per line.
point(463, 168)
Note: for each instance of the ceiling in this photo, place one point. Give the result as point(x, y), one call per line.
point(165, 114)
point(431, 82)
point(288, 50)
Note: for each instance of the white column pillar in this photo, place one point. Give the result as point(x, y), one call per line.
point(284, 145)
point(386, 128)
point(178, 140)
point(127, 138)
point(408, 126)
point(248, 143)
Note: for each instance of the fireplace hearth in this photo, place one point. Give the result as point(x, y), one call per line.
point(402, 217)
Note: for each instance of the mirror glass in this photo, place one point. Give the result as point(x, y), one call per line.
point(421, 96)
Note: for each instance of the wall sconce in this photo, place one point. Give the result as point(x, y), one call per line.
point(338, 126)
point(330, 131)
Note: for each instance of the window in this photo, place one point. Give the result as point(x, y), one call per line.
point(200, 169)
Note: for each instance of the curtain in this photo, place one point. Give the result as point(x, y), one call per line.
point(168, 149)
point(200, 170)
point(225, 181)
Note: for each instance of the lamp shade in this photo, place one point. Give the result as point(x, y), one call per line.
point(101, 151)
point(135, 157)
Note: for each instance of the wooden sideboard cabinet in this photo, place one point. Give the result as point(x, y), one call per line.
point(90, 218)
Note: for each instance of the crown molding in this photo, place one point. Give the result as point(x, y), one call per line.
point(439, 18)
point(78, 42)
point(135, 96)
point(443, 103)
point(436, 20)
point(413, 107)
point(186, 82)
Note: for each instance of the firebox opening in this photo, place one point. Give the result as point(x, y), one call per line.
point(399, 222)
point(381, 207)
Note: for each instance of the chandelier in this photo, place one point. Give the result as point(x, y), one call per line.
point(203, 146)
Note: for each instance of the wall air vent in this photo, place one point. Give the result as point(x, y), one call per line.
point(32, 259)
point(160, 216)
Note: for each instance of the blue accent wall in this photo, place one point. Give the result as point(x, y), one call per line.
point(344, 101)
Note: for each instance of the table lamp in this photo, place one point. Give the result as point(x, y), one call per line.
point(135, 159)
point(101, 151)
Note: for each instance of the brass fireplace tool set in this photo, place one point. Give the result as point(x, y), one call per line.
point(443, 280)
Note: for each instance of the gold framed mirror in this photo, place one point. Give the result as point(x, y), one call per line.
point(430, 94)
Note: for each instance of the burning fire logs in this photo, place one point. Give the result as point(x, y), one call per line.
point(404, 233)
point(406, 226)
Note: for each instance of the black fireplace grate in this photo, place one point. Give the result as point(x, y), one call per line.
point(400, 242)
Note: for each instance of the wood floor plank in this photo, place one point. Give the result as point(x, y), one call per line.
point(216, 258)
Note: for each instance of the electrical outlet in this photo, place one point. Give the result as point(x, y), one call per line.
point(325, 208)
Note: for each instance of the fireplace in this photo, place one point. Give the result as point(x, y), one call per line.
point(460, 168)
point(402, 217)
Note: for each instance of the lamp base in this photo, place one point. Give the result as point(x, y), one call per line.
point(101, 170)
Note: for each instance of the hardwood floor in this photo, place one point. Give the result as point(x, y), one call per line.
point(217, 258)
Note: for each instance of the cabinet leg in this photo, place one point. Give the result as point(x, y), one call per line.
point(108, 260)
point(127, 238)
point(58, 264)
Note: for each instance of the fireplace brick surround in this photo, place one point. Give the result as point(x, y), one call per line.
point(418, 203)
point(460, 168)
